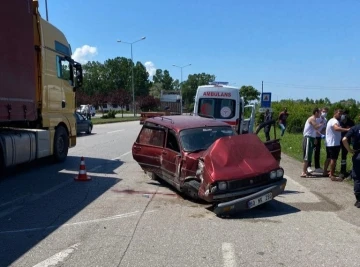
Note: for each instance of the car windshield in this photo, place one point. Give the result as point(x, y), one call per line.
point(201, 138)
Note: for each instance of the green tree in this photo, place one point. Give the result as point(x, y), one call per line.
point(93, 74)
point(155, 90)
point(249, 93)
point(117, 74)
point(141, 80)
point(158, 77)
point(176, 85)
point(167, 81)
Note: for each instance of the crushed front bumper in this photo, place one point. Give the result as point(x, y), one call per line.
point(250, 201)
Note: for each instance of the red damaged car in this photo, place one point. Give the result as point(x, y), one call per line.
point(204, 158)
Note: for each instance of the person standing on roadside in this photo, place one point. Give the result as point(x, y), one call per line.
point(309, 138)
point(354, 135)
point(282, 120)
point(345, 122)
point(333, 139)
point(267, 117)
point(320, 134)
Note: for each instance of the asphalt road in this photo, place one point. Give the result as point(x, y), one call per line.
point(48, 219)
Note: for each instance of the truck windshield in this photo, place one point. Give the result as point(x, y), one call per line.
point(201, 138)
point(219, 108)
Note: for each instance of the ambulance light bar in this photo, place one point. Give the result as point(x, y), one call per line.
point(218, 83)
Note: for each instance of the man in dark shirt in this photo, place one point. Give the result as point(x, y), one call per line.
point(354, 135)
point(345, 122)
point(267, 117)
point(282, 120)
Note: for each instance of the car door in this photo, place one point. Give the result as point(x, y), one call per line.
point(81, 123)
point(248, 122)
point(273, 145)
point(171, 158)
point(148, 147)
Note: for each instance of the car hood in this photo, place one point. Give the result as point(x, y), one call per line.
point(238, 157)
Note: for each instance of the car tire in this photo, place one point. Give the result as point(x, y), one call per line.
point(89, 129)
point(61, 144)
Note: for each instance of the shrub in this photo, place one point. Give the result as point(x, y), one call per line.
point(109, 115)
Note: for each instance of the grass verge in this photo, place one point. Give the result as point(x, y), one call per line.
point(113, 120)
point(291, 145)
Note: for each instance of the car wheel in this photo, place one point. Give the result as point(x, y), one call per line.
point(89, 129)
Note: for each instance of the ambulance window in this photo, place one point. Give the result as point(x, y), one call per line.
point(206, 106)
point(227, 108)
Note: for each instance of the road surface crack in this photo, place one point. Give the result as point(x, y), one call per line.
point(136, 226)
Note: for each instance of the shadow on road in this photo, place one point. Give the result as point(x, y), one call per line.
point(85, 134)
point(271, 209)
point(38, 199)
point(291, 192)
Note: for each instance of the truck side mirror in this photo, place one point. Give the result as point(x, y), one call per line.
point(78, 76)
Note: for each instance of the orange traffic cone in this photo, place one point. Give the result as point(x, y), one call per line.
point(82, 172)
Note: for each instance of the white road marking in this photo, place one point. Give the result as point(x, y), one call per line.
point(95, 168)
point(19, 199)
point(119, 216)
point(58, 257)
point(37, 196)
point(9, 211)
point(122, 155)
point(115, 131)
point(30, 198)
point(228, 255)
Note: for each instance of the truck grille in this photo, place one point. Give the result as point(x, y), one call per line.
point(257, 180)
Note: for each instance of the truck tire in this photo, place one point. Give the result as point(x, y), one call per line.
point(61, 144)
point(2, 164)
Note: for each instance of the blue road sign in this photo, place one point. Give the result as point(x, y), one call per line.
point(266, 100)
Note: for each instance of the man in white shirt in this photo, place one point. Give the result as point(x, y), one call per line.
point(333, 139)
point(320, 134)
point(309, 138)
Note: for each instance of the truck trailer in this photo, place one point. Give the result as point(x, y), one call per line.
point(37, 89)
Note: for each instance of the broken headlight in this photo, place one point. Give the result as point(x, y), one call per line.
point(222, 185)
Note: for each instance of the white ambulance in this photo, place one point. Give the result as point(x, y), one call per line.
point(222, 102)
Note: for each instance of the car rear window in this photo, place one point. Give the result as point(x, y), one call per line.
point(151, 136)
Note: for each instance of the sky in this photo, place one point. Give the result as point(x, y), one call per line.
point(298, 48)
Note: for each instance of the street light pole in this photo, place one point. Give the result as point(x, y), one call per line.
point(132, 69)
point(181, 71)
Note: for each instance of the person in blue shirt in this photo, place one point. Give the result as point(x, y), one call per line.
point(353, 136)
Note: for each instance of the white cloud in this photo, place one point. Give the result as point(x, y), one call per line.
point(150, 68)
point(84, 54)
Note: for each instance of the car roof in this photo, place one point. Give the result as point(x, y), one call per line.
point(182, 122)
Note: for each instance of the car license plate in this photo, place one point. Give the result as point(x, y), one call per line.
point(260, 200)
